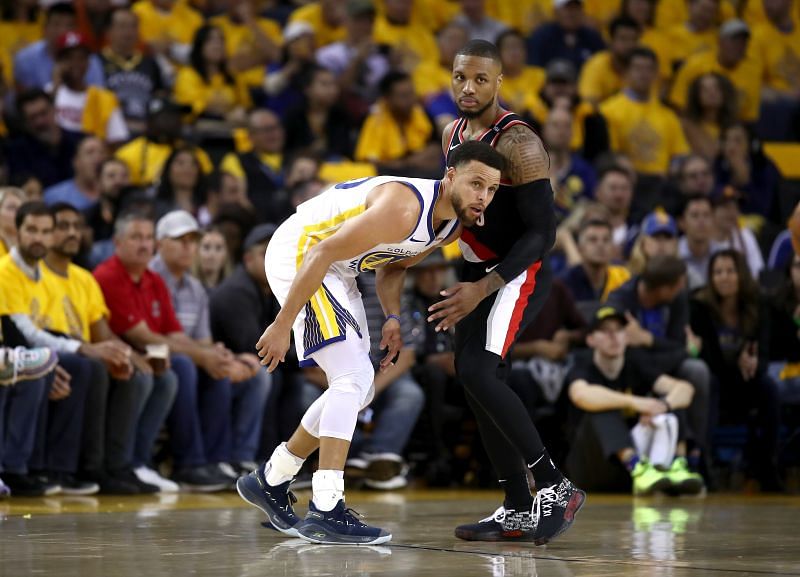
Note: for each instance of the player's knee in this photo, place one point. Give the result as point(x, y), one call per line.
point(473, 370)
point(356, 382)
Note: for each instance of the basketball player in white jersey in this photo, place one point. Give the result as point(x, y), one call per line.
point(383, 223)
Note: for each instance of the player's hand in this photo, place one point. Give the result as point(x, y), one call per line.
point(462, 298)
point(390, 338)
point(649, 406)
point(272, 346)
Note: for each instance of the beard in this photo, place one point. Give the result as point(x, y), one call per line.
point(469, 115)
point(463, 213)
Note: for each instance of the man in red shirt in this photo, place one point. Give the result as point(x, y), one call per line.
point(142, 314)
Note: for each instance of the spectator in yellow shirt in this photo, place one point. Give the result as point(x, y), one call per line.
point(206, 84)
point(167, 27)
point(433, 77)
point(644, 13)
point(414, 42)
point(731, 60)
point(776, 43)
point(326, 18)
point(603, 75)
point(145, 156)
point(398, 136)
point(639, 125)
point(711, 106)
point(250, 42)
point(698, 33)
point(519, 79)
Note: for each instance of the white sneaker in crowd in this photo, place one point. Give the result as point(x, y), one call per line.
point(148, 475)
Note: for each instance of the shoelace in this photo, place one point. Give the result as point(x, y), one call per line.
point(292, 500)
point(543, 502)
point(352, 515)
point(498, 516)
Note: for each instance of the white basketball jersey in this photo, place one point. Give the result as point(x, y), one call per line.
point(321, 216)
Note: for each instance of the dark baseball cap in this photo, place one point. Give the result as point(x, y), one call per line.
point(606, 313)
point(259, 234)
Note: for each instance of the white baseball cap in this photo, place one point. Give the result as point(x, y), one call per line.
point(175, 224)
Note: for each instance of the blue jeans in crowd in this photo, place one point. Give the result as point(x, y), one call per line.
point(60, 424)
point(19, 413)
point(395, 413)
point(156, 400)
point(249, 401)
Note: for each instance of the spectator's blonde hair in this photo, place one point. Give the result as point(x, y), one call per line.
point(6, 191)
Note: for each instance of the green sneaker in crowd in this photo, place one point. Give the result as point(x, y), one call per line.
point(684, 481)
point(648, 480)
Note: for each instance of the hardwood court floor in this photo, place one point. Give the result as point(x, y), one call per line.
point(219, 535)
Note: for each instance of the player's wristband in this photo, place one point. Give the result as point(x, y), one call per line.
point(395, 317)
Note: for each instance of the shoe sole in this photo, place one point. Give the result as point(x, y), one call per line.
point(575, 503)
point(508, 536)
point(80, 492)
point(662, 485)
point(316, 534)
point(247, 495)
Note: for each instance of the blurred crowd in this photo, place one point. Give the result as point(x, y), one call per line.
point(150, 148)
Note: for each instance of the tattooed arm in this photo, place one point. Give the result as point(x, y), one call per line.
point(528, 170)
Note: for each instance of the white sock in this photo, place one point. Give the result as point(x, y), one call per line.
point(327, 488)
point(282, 466)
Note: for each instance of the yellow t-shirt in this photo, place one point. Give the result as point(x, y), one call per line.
point(16, 35)
point(100, 105)
point(779, 54)
point(647, 132)
point(429, 14)
point(178, 25)
point(192, 90)
point(616, 277)
point(601, 12)
point(431, 78)
point(685, 43)
point(240, 39)
point(80, 299)
point(673, 12)
point(383, 139)
point(145, 159)
point(746, 78)
point(21, 295)
point(232, 165)
point(525, 15)
point(416, 40)
point(324, 33)
point(514, 91)
point(3, 248)
point(598, 78)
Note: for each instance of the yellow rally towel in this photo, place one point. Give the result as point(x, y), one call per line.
point(790, 371)
point(100, 103)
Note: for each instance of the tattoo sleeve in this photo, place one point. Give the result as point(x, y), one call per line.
point(528, 169)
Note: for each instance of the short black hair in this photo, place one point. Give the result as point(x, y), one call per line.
point(389, 80)
point(60, 9)
point(481, 49)
point(689, 199)
point(32, 95)
point(31, 208)
point(623, 22)
point(642, 52)
point(663, 271)
point(611, 169)
point(479, 151)
point(594, 223)
point(62, 206)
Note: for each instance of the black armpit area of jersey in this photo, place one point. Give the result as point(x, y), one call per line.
point(535, 205)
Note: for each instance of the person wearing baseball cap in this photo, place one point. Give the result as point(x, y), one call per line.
point(80, 107)
point(34, 64)
point(658, 235)
point(606, 385)
point(731, 60)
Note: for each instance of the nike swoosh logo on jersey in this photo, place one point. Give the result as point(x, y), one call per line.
point(455, 145)
point(491, 268)
point(412, 239)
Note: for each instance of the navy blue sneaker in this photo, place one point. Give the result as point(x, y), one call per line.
point(555, 508)
point(275, 501)
point(339, 526)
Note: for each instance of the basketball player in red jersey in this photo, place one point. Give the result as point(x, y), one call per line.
point(505, 281)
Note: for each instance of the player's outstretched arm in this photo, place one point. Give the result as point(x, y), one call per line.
point(389, 218)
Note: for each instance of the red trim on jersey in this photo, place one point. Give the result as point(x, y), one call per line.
point(506, 127)
point(452, 134)
point(481, 250)
point(525, 291)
